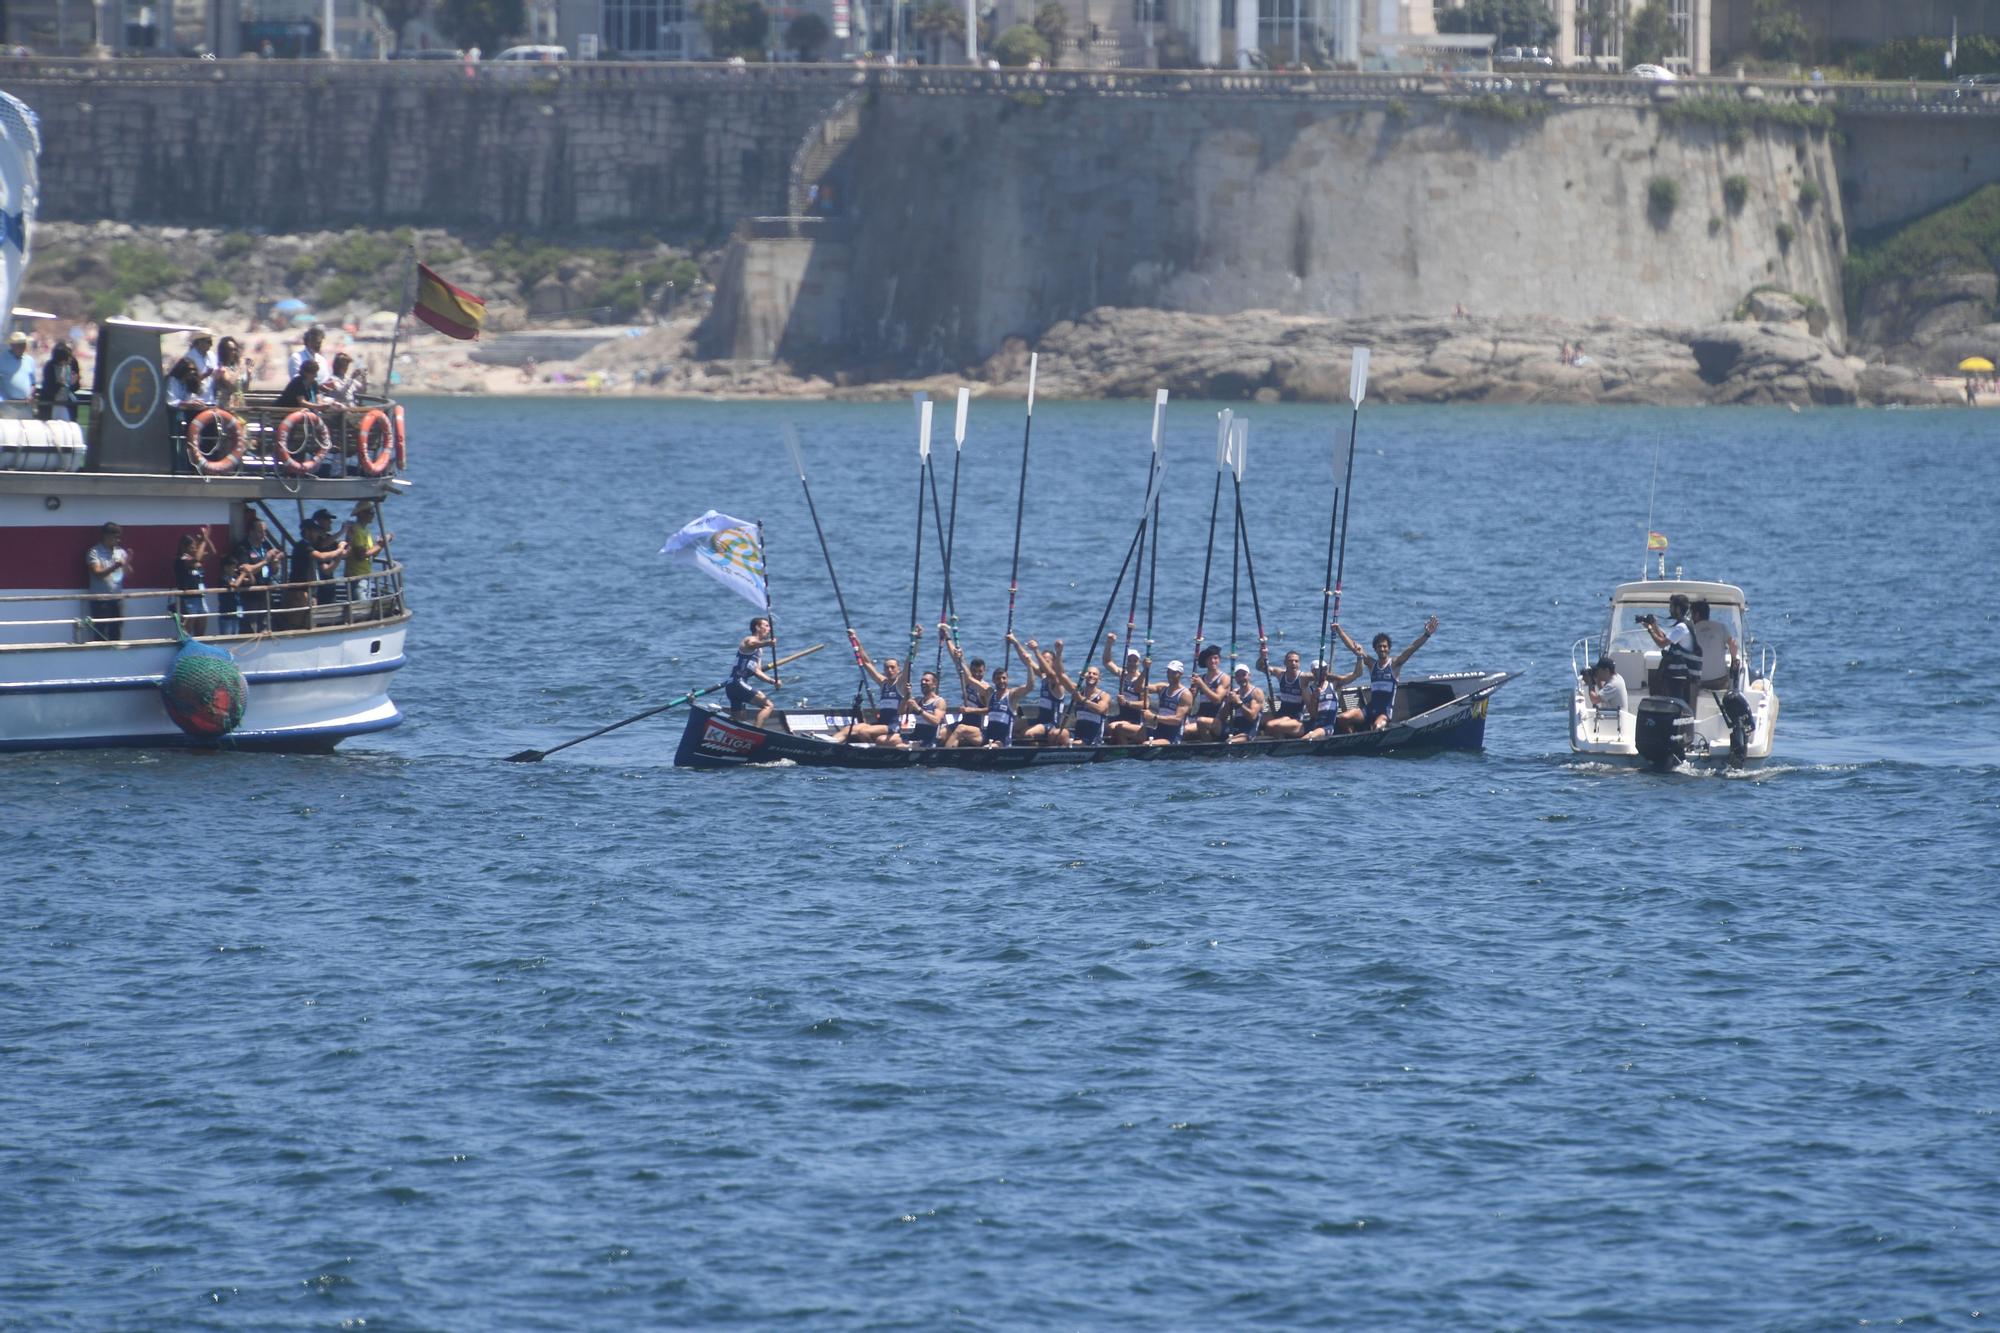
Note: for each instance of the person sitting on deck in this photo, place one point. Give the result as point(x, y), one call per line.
point(1211, 692)
point(887, 728)
point(1286, 719)
point(1607, 688)
point(743, 696)
point(1047, 667)
point(1383, 677)
point(928, 712)
point(1246, 707)
point(1129, 727)
point(975, 691)
point(1170, 713)
point(303, 390)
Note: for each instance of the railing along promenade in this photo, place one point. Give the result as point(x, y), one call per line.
point(836, 79)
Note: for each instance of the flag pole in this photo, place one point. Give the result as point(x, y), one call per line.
point(770, 613)
point(402, 307)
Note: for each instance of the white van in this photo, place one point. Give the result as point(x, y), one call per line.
point(537, 54)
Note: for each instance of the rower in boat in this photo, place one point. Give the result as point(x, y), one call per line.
point(1383, 676)
point(1287, 717)
point(1093, 705)
point(1129, 727)
point(1245, 709)
point(892, 702)
point(1211, 694)
point(1046, 668)
point(928, 713)
point(743, 696)
point(1168, 718)
point(1327, 715)
point(975, 691)
point(1002, 710)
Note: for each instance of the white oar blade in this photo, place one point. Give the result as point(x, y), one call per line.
point(1357, 383)
point(1033, 359)
point(964, 406)
point(791, 438)
point(1239, 445)
point(1159, 416)
point(924, 429)
point(1222, 420)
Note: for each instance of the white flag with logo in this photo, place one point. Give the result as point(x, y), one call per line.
point(727, 550)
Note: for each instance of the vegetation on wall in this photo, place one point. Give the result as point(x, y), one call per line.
point(1960, 238)
point(1923, 58)
point(1735, 192)
point(1737, 117)
point(1663, 196)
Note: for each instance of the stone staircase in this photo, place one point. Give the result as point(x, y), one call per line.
point(822, 148)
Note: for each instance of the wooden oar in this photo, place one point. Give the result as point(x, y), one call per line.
point(536, 756)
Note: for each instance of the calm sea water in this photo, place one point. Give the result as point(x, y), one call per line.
point(412, 1038)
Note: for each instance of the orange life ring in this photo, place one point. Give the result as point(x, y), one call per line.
point(319, 440)
point(229, 428)
point(402, 441)
point(375, 462)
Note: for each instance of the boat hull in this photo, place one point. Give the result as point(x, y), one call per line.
point(712, 739)
point(307, 691)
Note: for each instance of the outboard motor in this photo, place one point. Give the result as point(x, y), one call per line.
point(1659, 735)
point(1742, 723)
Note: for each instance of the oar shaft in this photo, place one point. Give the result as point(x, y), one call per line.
point(1208, 557)
point(675, 703)
point(1340, 567)
point(917, 566)
point(1020, 508)
point(1256, 604)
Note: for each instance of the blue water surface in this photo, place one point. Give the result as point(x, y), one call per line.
point(414, 1037)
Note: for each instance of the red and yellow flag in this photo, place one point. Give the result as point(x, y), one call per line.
point(450, 310)
point(1656, 541)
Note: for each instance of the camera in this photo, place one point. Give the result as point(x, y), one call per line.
point(1649, 619)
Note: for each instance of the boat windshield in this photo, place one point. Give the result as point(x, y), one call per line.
point(1627, 632)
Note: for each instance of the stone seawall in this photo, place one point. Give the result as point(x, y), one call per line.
point(979, 218)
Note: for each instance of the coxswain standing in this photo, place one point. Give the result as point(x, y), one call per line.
point(1211, 693)
point(1246, 707)
point(1383, 676)
point(1170, 713)
point(1129, 727)
point(1287, 717)
point(743, 696)
point(892, 702)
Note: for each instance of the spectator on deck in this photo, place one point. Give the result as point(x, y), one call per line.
point(191, 582)
point(260, 558)
point(201, 351)
point(304, 388)
point(184, 385)
point(17, 369)
point(314, 555)
point(108, 562)
point(231, 376)
point(315, 339)
point(55, 400)
point(237, 581)
point(361, 548)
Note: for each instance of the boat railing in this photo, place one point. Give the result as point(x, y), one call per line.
point(1767, 662)
point(56, 619)
point(1583, 655)
point(263, 437)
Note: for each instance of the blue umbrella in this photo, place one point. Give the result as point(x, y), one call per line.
point(290, 303)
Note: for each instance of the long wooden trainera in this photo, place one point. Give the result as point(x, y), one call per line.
point(1447, 712)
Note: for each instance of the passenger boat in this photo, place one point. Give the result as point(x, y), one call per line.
point(1734, 716)
point(313, 672)
point(1439, 712)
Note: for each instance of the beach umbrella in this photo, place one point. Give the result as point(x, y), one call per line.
point(1976, 363)
point(289, 304)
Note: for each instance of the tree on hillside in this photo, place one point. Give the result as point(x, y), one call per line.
point(398, 14)
point(486, 24)
point(1652, 37)
point(735, 27)
point(941, 26)
point(1053, 25)
point(1020, 44)
point(807, 35)
point(1516, 22)
point(1777, 31)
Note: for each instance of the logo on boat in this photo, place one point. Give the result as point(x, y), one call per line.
point(730, 740)
point(135, 391)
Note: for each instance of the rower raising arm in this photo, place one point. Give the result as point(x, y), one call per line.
point(743, 696)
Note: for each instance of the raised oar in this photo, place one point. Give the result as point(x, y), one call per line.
point(1357, 389)
point(917, 571)
point(791, 438)
point(1153, 563)
point(1145, 509)
point(536, 756)
point(1020, 507)
point(1145, 526)
point(1222, 419)
point(949, 614)
point(1239, 444)
point(1250, 565)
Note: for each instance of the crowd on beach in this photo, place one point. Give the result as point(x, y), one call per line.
point(329, 563)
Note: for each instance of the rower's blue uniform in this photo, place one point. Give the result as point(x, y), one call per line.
point(1051, 705)
point(923, 731)
point(1129, 684)
point(1291, 696)
point(1329, 704)
point(1170, 702)
point(1240, 721)
point(739, 689)
point(1089, 727)
point(1203, 705)
point(1381, 691)
point(889, 712)
point(977, 695)
point(1000, 719)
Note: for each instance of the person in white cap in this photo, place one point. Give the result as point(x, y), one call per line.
point(17, 369)
point(1326, 699)
point(1170, 712)
point(1245, 708)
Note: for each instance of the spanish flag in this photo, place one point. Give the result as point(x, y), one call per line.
point(450, 310)
point(1656, 541)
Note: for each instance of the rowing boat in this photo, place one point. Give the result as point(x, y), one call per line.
point(1440, 712)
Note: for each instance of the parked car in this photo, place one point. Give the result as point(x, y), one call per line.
point(1657, 73)
point(535, 54)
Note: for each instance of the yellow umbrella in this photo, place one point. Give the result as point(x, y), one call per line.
point(1976, 363)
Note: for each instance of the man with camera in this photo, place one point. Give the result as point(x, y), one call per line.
point(1680, 655)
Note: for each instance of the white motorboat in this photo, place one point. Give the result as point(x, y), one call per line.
point(1726, 711)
